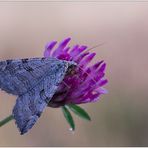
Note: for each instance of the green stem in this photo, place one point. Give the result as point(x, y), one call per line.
point(6, 120)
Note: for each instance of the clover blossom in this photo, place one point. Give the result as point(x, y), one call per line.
point(84, 84)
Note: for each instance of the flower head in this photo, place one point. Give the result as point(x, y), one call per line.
point(82, 85)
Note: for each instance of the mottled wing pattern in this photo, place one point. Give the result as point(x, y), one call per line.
point(19, 76)
point(35, 82)
point(27, 110)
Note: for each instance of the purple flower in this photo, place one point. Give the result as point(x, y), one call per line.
point(85, 83)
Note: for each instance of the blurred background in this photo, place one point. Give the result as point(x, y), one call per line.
point(120, 118)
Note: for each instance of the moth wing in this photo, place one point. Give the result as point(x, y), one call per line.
point(29, 106)
point(25, 111)
point(19, 76)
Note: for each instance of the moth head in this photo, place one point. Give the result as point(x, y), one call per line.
point(71, 68)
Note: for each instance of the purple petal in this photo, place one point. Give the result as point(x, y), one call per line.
point(72, 52)
point(48, 48)
point(78, 51)
point(66, 49)
point(61, 47)
point(102, 68)
point(103, 82)
point(85, 62)
point(80, 57)
point(102, 90)
point(64, 56)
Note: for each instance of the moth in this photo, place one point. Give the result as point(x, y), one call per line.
point(34, 81)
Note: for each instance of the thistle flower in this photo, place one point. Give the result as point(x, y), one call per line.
point(84, 84)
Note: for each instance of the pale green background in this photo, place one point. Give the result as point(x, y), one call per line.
point(120, 118)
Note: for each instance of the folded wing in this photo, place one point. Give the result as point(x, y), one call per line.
point(34, 81)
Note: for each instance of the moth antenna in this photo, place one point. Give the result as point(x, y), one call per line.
point(80, 78)
point(87, 74)
point(93, 47)
point(66, 84)
point(86, 52)
point(82, 68)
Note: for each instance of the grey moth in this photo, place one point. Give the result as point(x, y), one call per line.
point(34, 81)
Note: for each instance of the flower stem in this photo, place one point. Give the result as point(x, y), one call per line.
point(6, 120)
